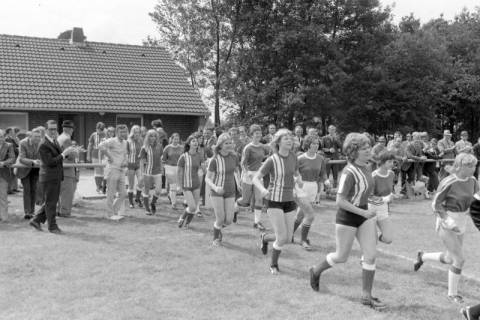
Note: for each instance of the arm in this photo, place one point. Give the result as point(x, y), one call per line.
point(180, 171)
point(257, 180)
point(212, 169)
point(347, 182)
point(104, 146)
point(48, 159)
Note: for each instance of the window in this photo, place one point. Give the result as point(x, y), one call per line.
point(14, 119)
point(130, 119)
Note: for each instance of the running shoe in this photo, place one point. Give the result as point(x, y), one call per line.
point(419, 262)
point(180, 222)
point(466, 313)
point(199, 214)
point(274, 270)
point(153, 207)
point(235, 217)
point(148, 213)
point(263, 244)
point(456, 299)
point(216, 243)
point(306, 245)
point(314, 280)
point(374, 303)
point(259, 226)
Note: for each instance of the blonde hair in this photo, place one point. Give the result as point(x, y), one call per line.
point(220, 141)
point(277, 137)
point(132, 131)
point(462, 160)
point(151, 132)
point(354, 142)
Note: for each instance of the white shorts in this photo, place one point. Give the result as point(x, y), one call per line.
point(247, 176)
point(308, 192)
point(381, 210)
point(460, 219)
point(171, 173)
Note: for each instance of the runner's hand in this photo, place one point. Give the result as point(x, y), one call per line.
point(369, 214)
point(449, 224)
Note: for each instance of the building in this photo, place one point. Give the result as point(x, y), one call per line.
point(87, 82)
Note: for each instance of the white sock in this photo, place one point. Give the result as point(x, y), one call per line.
point(453, 279)
point(173, 197)
point(258, 215)
point(432, 256)
point(198, 208)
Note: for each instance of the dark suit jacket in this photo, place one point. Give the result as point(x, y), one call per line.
point(51, 168)
point(7, 156)
point(28, 153)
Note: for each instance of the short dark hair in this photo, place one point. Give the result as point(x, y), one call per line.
point(50, 122)
point(121, 127)
point(309, 139)
point(157, 123)
point(384, 156)
point(100, 126)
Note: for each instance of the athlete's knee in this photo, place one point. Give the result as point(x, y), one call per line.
point(339, 257)
point(282, 240)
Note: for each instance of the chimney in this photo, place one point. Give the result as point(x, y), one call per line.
point(77, 36)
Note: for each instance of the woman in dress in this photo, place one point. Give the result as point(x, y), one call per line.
point(170, 157)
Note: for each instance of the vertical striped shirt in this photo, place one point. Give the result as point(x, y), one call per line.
point(133, 148)
point(153, 159)
point(190, 163)
point(356, 184)
point(224, 169)
point(281, 170)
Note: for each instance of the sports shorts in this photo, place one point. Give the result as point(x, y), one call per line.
point(350, 219)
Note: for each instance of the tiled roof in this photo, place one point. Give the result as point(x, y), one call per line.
point(52, 74)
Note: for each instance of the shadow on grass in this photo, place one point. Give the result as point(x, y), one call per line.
point(89, 237)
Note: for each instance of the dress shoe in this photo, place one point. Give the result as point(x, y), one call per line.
point(63, 215)
point(56, 231)
point(36, 225)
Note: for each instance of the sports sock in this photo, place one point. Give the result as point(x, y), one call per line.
point(173, 194)
point(432, 256)
point(305, 230)
point(189, 218)
point(475, 311)
point(130, 198)
point(368, 274)
point(257, 215)
point(216, 233)
point(454, 275)
point(296, 224)
point(275, 256)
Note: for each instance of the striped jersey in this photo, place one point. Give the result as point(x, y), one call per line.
point(224, 169)
point(153, 159)
point(281, 170)
point(253, 156)
point(93, 142)
point(356, 184)
point(190, 163)
point(171, 154)
point(133, 150)
point(455, 194)
point(312, 169)
point(382, 184)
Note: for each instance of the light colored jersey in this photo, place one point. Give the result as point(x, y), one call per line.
point(383, 184)
point(312, 169)
point(356, 184)
point(281, 170)
point(455, 194)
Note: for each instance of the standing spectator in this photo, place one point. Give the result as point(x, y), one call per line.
point(209, 140)
point(447, 151)
point(29, 175)
point(413, 169)
point(11, 138)
point(476, 153)
point(396, 137)
point(243, 135)
point(332, 147)
point(298, 139)
point(115, 149)
point(463, 145)
point(271, 131)
point(50, 178)
point(93, 154)
point(430, 168)
point(7, 157)
point(69, 183)
point(378, 148)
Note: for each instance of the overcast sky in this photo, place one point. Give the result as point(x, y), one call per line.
point(127, 21)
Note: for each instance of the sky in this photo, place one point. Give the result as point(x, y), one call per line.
point(127, 21)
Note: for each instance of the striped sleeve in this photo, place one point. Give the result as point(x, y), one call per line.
point(213, 165)
point(267, 167)
point(347, 182)
point(181, 161)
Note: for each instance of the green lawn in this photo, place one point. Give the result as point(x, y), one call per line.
point(146, 268)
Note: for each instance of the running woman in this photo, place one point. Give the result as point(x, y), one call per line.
point(353, 219)
point(253, 155)
point(151, 154)
point(282, 167)
point(170, 157)
point(451, 204)
point(221, 180)
point(188, 179)
point(134, 145)
point(312, 167)
point(383, 194)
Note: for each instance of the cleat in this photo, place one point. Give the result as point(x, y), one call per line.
point(180, 222)
point(148, 213)
point(263, 244)
point(374, 303)
point(259, 226)
point(199, 214)
point(314, 280)
point(306, 245)
point(153, 208)
point(466, 313)
point(235, 217)
point(419, 263)
point(274, 270)
point(456, 299)
point(216, 243)
point(130, 206)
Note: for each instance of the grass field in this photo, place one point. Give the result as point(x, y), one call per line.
point(146, 268)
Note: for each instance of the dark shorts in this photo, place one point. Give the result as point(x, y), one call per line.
point(350, 219)
point(287, 206)
point(133, 166)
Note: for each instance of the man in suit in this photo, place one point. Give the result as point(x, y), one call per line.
point(69, 183)
point(29, 175)
point(7, 157)
point(50, 177)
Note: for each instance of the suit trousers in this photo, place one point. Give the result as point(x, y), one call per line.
point(3, 199)
point(29, 184)
point(115, 183)
point(67, 191)
point(48, 211)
